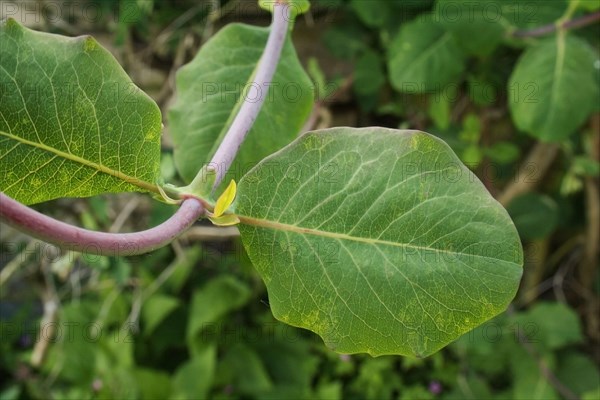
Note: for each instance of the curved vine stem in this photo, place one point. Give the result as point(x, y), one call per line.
point(125, 244)
point(74, 238)
point(249, 110)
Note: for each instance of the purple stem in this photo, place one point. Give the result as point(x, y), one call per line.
point(125, 244)
point(107, 244)
point(249, 110)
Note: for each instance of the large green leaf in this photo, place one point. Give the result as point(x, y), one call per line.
point(424, 57)
point(72, 124)
point(553, 88)
point(381, 241)
point(211, 88)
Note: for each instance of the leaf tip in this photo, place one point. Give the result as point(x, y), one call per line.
point(11, 24)
point(89, 44)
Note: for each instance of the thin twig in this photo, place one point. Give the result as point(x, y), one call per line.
point(167, 89)
point(591, 310)
point(574, 23)
point(537, 251)
point(48, 324)
point(163, 277)
point(546, 372)
point(550, 283)
point(588, 269)
point(124, 214)
point(559, 277)
point(132, 323)
point(589, 264)
point(15, 264)
point(530, 172)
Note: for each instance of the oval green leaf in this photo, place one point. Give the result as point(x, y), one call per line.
point(379, 240)
point(72, 123)
point(210, 90)
point(553, 88)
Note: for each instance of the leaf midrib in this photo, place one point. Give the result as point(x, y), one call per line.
point(263, 223)
point(99, 167)
point(557, 73)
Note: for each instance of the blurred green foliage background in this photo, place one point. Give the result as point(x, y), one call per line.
point(192, 320)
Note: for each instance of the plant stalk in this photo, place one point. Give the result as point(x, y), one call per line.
point(74, 238)
point(241, 125)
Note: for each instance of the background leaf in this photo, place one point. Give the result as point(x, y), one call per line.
point(214, 300)
point(423, 57)
point(72, 124)
point(379, 240)
point(369, 76)
point(152, 384)
point(242, 367)
point(526, 15)
point(156, 309)
point(550, 325)
point(372, 13)
point(580, 371)
point(553, 88)
point(535, 216)
point(478, 26)
point(210, 87)
point(193, 379)
point(529, 380)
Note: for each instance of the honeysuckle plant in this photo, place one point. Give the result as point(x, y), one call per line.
point(379, 240)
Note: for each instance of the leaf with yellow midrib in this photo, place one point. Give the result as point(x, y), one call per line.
point(379, 240)
point(72, 123)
